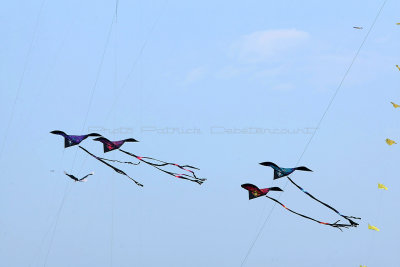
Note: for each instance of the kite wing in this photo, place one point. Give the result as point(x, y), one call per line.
point(371, 227)
point(130, 140)
point(93, 134)
point(278, 171)
point(270, 164)
point(273, 189)
point(254, 191)
point(59, 133)
point(381, 186)
point(302, 168)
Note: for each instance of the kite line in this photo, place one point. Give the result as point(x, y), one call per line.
point(84, 124)
point(19, 88)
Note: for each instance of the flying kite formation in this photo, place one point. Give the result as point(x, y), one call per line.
point(389, 142)
point(280, 172)
point(187, 172)
point(72, 140)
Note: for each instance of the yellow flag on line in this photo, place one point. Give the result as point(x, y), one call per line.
point(395, 105)
point(390, 142)
point(381, 186)
point(373, 228)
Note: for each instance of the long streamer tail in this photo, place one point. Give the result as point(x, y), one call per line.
point(192, 178)
point(348, 218)
point(118, 161)
point(112, 167)
point(335, 224)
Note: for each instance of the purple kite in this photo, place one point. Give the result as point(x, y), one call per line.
point(112, 145)
point(72, 140)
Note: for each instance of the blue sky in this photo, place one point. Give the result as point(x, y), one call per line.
point(213, 70)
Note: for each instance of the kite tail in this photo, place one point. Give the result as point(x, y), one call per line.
point(112, 167)
point(186, 177)
point(164, 163)
point(124, 162)
point(334, 225)
point(348, 218)
point(193, 178)
point(86, 176)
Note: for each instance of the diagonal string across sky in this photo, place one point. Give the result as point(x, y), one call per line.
point(318, 126)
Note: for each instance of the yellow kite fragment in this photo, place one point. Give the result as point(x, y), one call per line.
point(395, 105)
point(390, 142)
point(397, 66)
point(398, 23)
point(363, 265)
point(358, 28)
point(373, 227)
point(381, 186)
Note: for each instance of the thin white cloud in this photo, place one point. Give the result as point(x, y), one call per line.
point(262, 45)
point(283, 87)
point(270, 72)
point(195, 75)
point(230, 71)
